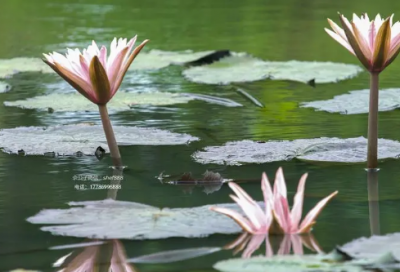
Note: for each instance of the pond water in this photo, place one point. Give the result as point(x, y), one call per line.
point(276, 31)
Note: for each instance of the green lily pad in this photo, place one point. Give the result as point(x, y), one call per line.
point(4, 87)
point(374, 246)
point(285, 263)
point(9, 67)
point(67, 140)
point(352, 150)
point(356, 102)
point(121, 101)
point(241, 67)
point(110, 219)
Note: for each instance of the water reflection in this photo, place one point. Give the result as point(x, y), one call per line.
point(110, 256)
point(250, 243)
point(373, 201)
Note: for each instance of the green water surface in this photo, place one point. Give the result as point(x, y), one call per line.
point(271, 30)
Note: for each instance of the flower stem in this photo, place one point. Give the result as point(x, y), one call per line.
point(372, 157)
point(112, 143)
point(373, 201)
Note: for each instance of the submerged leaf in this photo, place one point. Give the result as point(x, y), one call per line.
point(285, 263)
point(174, 255)
point(110, 219)
point(356, 102)
point(352, 150)
point(241, 67)
point(62, 102)
point(64, 140)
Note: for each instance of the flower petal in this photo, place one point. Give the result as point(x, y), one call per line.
point(340, 40)
point(309, 220)
point(297, 209)
point(279, 184)
point(382, 46)
point(115, 67)
point(128, 63)
point(267, 192)
point(243, 222)
point(282, 213)
point(99, 79)
point(77, 83)
point(353, 42)
point(250, 212)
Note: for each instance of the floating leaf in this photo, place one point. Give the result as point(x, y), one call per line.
point(110, 219)
point(374, 246)
point(241, 67)
point(356, 102)
point(174, 255)
point(4, 87)
point(64, 140)
point(9, 67)
point(285, 263)
point(62, 102)
point(352, 150)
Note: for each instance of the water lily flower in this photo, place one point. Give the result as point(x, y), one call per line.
point(250, 243)
point(258, 221)
point(285, 220)
point(288, 221)
point(97, 77)
point(93, 74)
point(376, 43)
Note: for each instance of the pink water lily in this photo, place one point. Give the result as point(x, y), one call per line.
point(376, 43)
point(288, 221)
point(258, 221)
point(92, 73)
point(285, 220)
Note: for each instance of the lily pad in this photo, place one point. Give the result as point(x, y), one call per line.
point(63, 102)
point(64, 140)
point(241, 67)
point(285, 263)
point(9, 67)
point(374, 246)
point(4, 87)
point(110, 219)
point(356, 102)
point(352, 150)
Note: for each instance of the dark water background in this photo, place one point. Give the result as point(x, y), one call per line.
point(271, 30)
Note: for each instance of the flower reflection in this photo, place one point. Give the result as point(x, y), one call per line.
point(250, 243)
point(107, 257)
